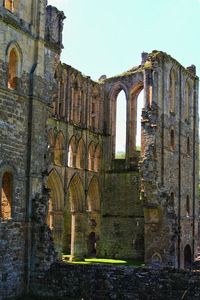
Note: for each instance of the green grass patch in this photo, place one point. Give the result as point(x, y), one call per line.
point(120, 155)
point(107, 261)
point(138, 148)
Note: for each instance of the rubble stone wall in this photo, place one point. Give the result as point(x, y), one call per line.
point(106, 282)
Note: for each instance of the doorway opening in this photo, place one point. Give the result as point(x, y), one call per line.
point(187, 257)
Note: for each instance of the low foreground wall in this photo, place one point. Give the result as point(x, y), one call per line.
point(106, 282)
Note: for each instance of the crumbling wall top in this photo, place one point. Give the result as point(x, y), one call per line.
point(54, 26)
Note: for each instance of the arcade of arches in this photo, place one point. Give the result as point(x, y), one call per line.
point(74, 220)
point(62, 186)
point(104, 204)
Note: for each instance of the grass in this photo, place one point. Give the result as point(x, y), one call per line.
point(107, 261)
point(120, 155)
point(138, 148)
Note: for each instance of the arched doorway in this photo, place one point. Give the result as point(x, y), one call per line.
point(55, 208)
point(74, 237)
point(187, 257)
point(93, 207)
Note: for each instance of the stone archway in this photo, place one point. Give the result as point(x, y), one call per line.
point(74, 238)
point(55, 208)
point(93, 207)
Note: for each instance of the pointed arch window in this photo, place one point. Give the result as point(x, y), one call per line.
point(6, 196)
point(9, 4)
point(72, 153)
point(120, 131)
point(13, 65)
point(97, 158)
point(59, 150)
point(91, 156)
point(80, 159)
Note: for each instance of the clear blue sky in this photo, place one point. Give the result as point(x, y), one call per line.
point(108, 36)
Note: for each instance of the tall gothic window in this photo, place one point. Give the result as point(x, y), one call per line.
point(6, 196)
point(187, 206)
point(12, 69)
point(120, 134)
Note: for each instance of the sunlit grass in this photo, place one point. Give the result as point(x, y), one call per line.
point(107, 261)
point(120, 155)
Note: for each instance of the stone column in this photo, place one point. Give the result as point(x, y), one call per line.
point(147, 87)
point(132, 125)
point(58, 231)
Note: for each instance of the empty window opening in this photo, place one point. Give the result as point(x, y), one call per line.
point(6, 196)
point(91, 156)
point(67, 228)
point(187, 257)
point(140, 105)
point(9, 5)
point(172, 139)
point(120, 140)
point(12, 69)
point(72, 153)
point(50, 214)
point(59, 150)
point(80, 159)
point(187, 206)
point(97, 159)
point(70, 157)
point(92, 244)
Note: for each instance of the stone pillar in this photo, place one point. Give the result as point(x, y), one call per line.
point(132, 125)
point(147, 86)
point(78, 238)
point(58, 231)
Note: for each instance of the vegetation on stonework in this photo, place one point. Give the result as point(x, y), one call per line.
point(107, 261)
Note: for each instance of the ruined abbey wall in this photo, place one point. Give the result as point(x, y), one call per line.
point(62, 190)
point(24, 111)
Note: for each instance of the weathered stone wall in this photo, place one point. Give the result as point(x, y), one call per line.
point(26, 241)
point(57, 139)
point(122, 230)
point(168, 166)
point(75, 161)
point(106, 282)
